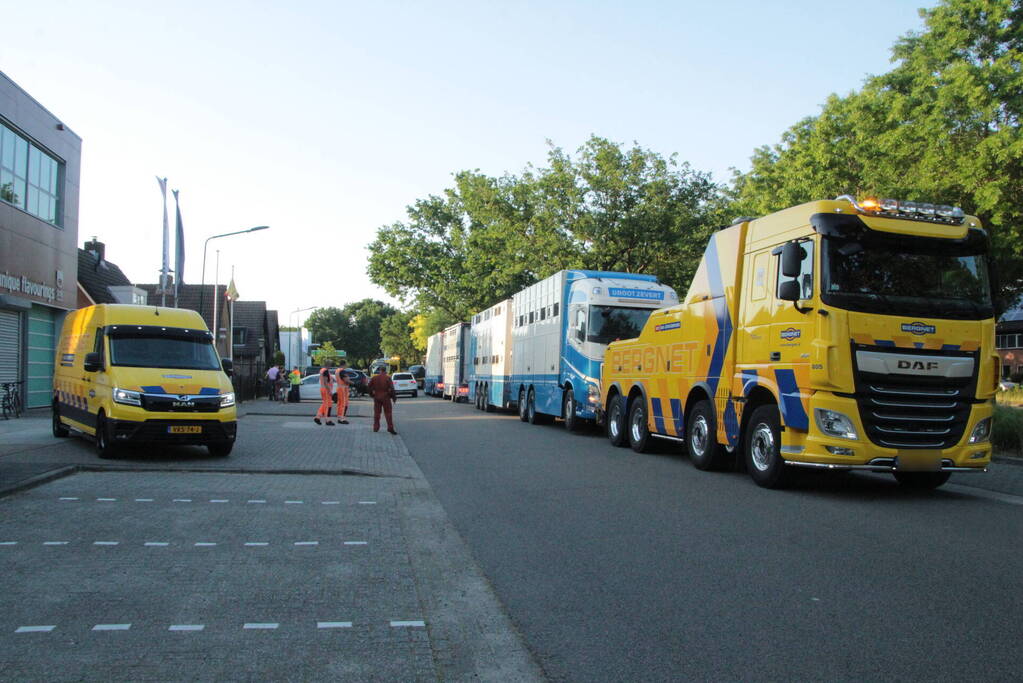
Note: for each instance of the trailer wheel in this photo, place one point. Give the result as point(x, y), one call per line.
point(616, 431)
point(523, 410)
point(639, 432)
point(488, 407)
point(701, 438)
point(763, 449)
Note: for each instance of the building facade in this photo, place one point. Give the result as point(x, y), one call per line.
point(40, 161)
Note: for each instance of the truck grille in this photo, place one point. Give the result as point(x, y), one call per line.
point(165, 403)
point(914, 411)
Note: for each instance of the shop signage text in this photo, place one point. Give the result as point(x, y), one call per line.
point(22, 284)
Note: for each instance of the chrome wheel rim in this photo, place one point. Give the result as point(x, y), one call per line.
point(522, 403)
point(699, 436)
point(569, 412)
point(613, 421)
point(637, 426)
point(531, 407)
point(762, 447)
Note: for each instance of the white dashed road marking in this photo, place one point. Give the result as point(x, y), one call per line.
point(294, 502)
point(218, 500)
point(307, 542)
point(187, 627)
point(256, 501)
point(401, 624)
point(261, 543)
point(355, 542)
point(35, 629)
point(55, 542)
point(68, 498)
point(111, 627)
point(330, 502)
point(333, 624)
point(105, 542)
point(367, 502)
point(259, 626)
point(157, 544)
point(143, 500)
point(8, 543)
point(106, 500)
point(182, 500)
point(205, 544)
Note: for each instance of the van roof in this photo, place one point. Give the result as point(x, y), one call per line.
point(128, 314)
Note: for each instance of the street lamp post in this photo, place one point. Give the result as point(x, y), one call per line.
point(290, 318)
point(202, 287)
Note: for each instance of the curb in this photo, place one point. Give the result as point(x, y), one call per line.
point(40, 479)
point(1008, 460)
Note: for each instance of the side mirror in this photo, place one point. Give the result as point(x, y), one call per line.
point(93, 362)
point(228, 366)
point(789, 290)
point(792, 255)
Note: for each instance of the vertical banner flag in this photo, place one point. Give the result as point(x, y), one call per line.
point(166, 242)
point(179, 249)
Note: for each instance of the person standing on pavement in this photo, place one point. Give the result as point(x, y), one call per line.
point(296, 380)
point(271, 377)
point(343, 388)
point(381, 388)
point(326, 388)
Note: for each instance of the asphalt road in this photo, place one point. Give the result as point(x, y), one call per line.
point(618, 566)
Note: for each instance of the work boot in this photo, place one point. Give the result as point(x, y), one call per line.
point(391, 431)
point(329, 423)
point(317, 420)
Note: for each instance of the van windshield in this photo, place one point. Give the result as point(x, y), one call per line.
point(163, 351)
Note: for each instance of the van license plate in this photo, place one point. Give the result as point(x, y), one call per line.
point(185, 429)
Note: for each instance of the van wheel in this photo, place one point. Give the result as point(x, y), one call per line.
point(763, 449)
point(523, 409)
point(701, 438)
point(220, 449)
point(104, 448)
point(59, 429)
point(922, 481)
point(616, 432)
point(568, 407)
point(639, 433)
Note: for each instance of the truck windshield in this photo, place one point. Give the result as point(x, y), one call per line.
point(163, 351)
point(609, 323)
point(923, 277)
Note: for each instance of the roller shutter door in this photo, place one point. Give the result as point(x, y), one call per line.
point(41, 340)
point(10, 346)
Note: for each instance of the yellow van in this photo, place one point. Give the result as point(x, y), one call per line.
point(141, 375)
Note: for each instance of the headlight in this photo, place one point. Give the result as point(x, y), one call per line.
point(834, 423)
point(128, 398)
point(593, 393)
point(982, 432)
point(227, 400)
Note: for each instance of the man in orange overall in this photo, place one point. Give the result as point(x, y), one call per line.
point(381, 388)
point(343, 388)
point(326, 388)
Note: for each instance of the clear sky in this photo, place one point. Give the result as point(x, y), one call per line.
point(325, 119)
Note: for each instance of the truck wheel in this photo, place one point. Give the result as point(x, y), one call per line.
point(220, 449)
point(531, 408)
point(523, 408)
point(616, 431)
point(59, 429)
point(568, 407)
point(701, 438)
point(639, 433)
point(923, 481)
point(104, 448)
point(763, 449)
point(487, 406)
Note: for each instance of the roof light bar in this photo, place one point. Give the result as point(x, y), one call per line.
point(914, 211)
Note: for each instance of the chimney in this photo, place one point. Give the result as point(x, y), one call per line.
point(97, 249)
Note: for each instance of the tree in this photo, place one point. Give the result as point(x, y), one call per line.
point(425, 325)
point(354, 329)
point(607, 208)
point(396, 338)
point(942, 126)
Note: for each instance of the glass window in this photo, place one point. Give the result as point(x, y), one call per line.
point(611, 323)
point(805, 278)
point(555, 310)
point(239, 335)
point(29, 177)
point(160, 351)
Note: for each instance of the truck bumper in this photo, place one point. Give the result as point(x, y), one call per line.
point(160, 431)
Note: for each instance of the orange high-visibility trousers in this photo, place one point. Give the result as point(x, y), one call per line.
point(342, 400)
point(325, 404)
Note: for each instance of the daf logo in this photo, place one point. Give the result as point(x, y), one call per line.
point(918, 328)
point(919, 365)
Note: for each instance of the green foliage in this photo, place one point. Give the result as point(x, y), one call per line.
point(1007, 430)
point(354, 328)
point(278, 358)
point(942, 126)
point(607, 208)
point(327, 354)
point(396, 338)
point(425, 325)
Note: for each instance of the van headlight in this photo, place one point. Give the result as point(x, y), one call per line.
point(227, 400)
point(127, 397)
point(834, 423)
point(982, 432)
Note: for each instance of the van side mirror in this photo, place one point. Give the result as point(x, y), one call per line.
point(93, 361)
point(789, 290)
point(792, 255)
point(228, 366)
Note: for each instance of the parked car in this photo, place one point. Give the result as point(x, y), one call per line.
point(1005, 385)
point(419, 372)
point(309, 388)
point(405, 383)
point(360, 379)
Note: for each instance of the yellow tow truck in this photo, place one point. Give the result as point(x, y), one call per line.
point(841, 334)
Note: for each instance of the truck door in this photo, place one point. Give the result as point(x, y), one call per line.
point(791, 338)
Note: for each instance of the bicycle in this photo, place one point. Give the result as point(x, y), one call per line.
point(10, 401)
